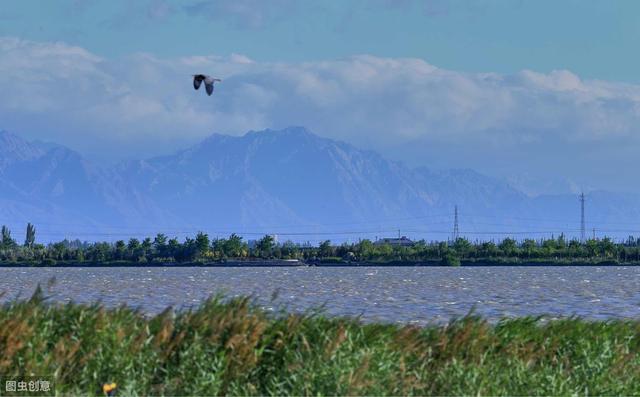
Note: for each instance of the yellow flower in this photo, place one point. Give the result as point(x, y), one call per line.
point(108, 387)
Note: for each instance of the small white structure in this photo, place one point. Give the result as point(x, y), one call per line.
point(395, 241)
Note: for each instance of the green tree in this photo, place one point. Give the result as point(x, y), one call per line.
point(462, 246)
point(443, 249)
point(7, 241)
point(508, 246)
point(173, 248)
point(385, 251)
point(58, 250)
point(30, 238)
point(202, 244)
point(290, 250)
point(575, 249)
point(364, 249)
point(592, 247)
point(135, 249)
point(146, 245)
point(607, 247)
point(160, 245)
point(133, 245)
point(561, 242)
point(529, 247)
point(120, 249)
point(234, 247)
point(549, 247)
point(265, 246)
point(219, 248)
point(100, 252)
point(450, 259)
point(325, 249)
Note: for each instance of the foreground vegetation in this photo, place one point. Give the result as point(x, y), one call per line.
point(233, 347)
point(202, 249)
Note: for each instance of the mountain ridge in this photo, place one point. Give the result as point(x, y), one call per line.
point(273, 181)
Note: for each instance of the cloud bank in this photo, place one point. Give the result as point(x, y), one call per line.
point(584, 130)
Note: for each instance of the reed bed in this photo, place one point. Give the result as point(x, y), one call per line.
point(232, 347)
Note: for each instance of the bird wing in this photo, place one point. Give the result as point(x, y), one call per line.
point(209, 87)
point(197, 80)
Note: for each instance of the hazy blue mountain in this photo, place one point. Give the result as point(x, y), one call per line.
point(15, 149)
point(276, 178)
point(60, 191)
point(288, 181)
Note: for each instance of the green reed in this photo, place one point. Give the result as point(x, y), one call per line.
point(233, 347)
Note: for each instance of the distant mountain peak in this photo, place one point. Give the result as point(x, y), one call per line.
point(288, 131)
point(13, 147)
point(6, 137)
point(294, 129)
point(274, 179)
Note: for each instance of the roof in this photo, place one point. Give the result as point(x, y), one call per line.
point(402, 241)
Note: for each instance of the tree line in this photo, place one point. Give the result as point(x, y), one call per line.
point(201, 248)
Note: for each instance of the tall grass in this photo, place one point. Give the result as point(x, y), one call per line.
point(232, 347)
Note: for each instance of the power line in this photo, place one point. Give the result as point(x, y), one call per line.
point(511, 221)
point(374, 221)
point(601, 220)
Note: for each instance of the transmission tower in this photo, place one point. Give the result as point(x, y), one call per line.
point(456, 231)
point(582, 226)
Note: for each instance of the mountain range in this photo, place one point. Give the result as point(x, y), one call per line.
point(290, 182)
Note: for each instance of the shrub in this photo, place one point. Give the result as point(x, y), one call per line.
point(450, 260)
point(234, 348)
point(48, 262)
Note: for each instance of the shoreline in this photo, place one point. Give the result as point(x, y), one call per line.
point(315, 263)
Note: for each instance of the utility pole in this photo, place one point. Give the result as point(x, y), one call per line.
point(582, 226)
point(456, 231)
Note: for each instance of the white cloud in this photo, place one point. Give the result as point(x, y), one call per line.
point(143, 104)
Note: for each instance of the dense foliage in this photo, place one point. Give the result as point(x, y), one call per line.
point(203, 249)
point(233, 347)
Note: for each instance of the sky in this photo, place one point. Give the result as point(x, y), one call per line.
point(543, 93)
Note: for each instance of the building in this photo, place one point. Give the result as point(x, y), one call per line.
point(395, 241)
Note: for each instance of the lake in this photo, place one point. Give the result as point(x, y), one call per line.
point(417, 295)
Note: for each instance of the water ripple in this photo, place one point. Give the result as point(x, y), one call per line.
point(416, 295)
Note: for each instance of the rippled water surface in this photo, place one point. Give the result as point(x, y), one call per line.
point(419, 295)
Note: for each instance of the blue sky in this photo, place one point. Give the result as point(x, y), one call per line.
point(543, 93)
point(595, 39)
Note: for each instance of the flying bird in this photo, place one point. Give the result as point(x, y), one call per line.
point(208, 82)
